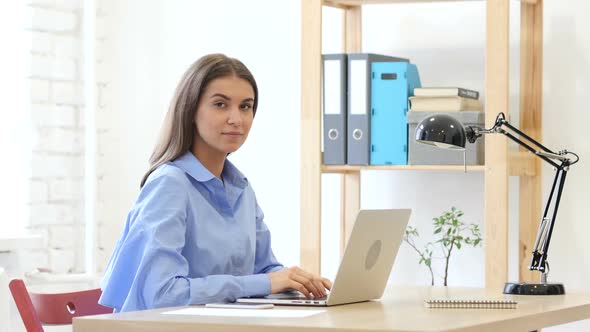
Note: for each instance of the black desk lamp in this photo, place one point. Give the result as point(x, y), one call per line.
point(445, 131)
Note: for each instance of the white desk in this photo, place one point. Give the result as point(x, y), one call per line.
point(401, 309)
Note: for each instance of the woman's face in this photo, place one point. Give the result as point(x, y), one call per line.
point(224, 116)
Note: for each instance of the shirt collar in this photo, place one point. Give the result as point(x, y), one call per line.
point(232, 174)
point(193, 167)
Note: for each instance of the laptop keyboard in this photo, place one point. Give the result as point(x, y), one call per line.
point(293, 296)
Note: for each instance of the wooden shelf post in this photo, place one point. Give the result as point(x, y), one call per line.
point(531, 102)
point(496, 154)
point(350, 200)
point(311, 159)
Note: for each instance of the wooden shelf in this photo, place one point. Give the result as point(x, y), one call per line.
point(501, 163)
point(356, 3)
point(353, 3)
point(521, 163)
point(351, 168)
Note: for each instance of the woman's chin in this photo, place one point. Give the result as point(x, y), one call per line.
point(231, 148)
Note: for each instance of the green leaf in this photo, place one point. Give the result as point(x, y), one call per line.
point(458, 245)
point(438, 230)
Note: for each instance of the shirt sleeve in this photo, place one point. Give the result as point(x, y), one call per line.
point(148, 270)
point(265, 259)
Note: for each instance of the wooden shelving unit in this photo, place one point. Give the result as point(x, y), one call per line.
point(350, 169)
point(499, 162)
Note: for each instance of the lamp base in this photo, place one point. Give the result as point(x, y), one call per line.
point(533, 289)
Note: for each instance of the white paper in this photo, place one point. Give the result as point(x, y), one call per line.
point(332, 87)
point(358, 89)
point(274, 313)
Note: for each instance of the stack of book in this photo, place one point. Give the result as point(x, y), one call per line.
point(445, 99)
point(463, 105)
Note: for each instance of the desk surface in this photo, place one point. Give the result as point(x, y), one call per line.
point(400, 309)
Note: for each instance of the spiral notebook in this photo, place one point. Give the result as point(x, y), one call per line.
point(471, 303)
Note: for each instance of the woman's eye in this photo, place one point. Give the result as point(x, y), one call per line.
point(246, 106)
point(219, 104)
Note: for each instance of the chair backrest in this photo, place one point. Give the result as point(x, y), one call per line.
point(36, 309)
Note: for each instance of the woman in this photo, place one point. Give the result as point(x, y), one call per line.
point(196, 233)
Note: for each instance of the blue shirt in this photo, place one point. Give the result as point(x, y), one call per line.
point(190, 239)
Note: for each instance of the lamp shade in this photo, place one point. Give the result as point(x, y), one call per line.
point(442, 131)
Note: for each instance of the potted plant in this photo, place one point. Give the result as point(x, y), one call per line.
point(450, 233)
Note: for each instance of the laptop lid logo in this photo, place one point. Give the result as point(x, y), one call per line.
point(373, 255)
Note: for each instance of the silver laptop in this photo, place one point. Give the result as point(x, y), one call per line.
point(365, 266)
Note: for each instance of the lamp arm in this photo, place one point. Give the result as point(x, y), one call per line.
point(543, 238)
point(540, 250)
point(502, 122)
point(529, 143)
point(544, 153)
point(540, 154)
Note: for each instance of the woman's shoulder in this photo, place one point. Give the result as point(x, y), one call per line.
point(167, 186)
point(168, 174)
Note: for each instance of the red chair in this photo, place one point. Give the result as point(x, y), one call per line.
point(36, 309)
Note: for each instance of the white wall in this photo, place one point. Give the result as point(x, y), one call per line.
point(14, 194)
point(43, 185)
point(150, 46)
point(567, 82)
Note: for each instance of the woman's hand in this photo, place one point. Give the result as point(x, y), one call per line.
point(296, 278)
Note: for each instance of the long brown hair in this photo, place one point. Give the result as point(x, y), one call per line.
point(178, 130)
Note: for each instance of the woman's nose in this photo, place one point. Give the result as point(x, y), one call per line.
point(234, 116)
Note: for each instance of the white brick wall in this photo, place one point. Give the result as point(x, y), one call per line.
point(106, 226)
point(62, 260)
point(39, 192)
point(51, 20)
point(69, 190)
point(57, 169)
point(48, 214)
point(55, 139)
point(56, 165)
point(49, 67)
point(67, 93)
point(67, 47)
point(40, 42)
point(31, 259)
point(57, 113)
point(39, 90)
point(54, 116)
point(63, 237)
